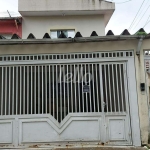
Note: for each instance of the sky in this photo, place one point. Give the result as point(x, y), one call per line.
point(122, 18)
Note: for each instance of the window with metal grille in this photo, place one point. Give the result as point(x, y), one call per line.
point(56, 33)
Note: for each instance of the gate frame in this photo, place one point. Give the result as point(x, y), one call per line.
point(132, 90)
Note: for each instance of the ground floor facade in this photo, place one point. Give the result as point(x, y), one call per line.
point(75, 97)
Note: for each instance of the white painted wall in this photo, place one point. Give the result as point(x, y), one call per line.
point(67, 7)
point(84, 24)
point(58, 5)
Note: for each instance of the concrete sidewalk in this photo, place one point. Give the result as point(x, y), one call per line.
point(105, 148)
point(85, 148)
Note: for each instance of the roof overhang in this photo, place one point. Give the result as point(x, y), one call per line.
point(70, 40)
point(17, 19)
point(67, 7)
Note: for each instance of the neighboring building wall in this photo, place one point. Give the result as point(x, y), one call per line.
point(9, 27)
point(84, 24)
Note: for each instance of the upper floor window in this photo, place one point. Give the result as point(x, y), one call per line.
point(68, 33)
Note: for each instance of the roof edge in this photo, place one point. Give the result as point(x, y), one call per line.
point(71, 40)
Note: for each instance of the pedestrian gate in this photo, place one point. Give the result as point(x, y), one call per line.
point(67, 97)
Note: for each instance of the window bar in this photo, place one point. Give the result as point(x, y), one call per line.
point(67, 88)
point(114, 94)
point(42, 90)
point(35, 90)
point(2, 85)
point(75, 87)
point(13, 92)
point(71, 88)
point(79, 87)
point(109, 87)
point(90, 87)
point(9, 89)
point(64, 91)
point(82, 89)
point(27, 89)
point(53, 90)
point(97, 88)
point(49, 89)
point(5, 90)
point(60, 94)
point(24, 91)
point(31, 100)
point(16, 90)
point(121, 79)
point(93, 86)
point(106, 87)
point(46, 87)
point(38, 89)
point(118, 93)
point(57, 88)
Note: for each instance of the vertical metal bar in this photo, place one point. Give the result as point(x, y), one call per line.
point(35, 100)
point(60, 95)
point(68, 88)
point(109, 87)
point(117, 86)
point(24, 91)
point(53, 91)
point(86, 84)
point(49, 89)
point(93, 87)
point(101, 88)
point(42, 91)
point(71, 89)
point(82, 88)
point(2, 96)
point(5, 90)
point(97, 88)
point(75, 88)
point(121, 88)
point(9, 89)
point(79, 88)
point(16, 90)
point(20, 88)
point(125, 100)
point(31, 100)
point(106, 87)
point(114, 94)
point(13, 92)
point(38, 89)
point(57, 89)
point(90, 88)
point(27, 89)
point(46, 88)
point(64, 92)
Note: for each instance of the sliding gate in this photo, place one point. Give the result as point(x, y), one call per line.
point(73, 102)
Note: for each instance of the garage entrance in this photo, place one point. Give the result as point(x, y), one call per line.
point(68, 100)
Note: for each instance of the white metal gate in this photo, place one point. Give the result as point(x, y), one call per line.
point(87, 90)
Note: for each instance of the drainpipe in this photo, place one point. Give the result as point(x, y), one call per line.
point(139, 46)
